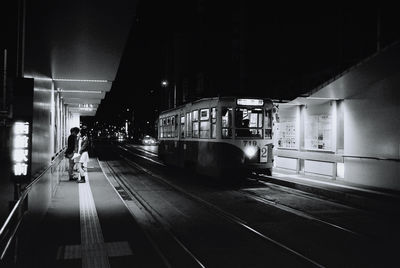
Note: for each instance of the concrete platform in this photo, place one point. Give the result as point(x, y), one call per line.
point(360, 196)
point(88, 225)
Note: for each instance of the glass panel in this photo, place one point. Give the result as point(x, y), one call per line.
point(214, 131)
point(226, 117)
point(195, 129)
point(214, 113)
point(195, 115)
point(249, 122)
point(205, 129)
point(176, 126)
point(204, 114)
point(226, 133)
point(182, 126)
point(189, 125)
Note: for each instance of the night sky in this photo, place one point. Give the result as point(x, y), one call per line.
point(237, 48)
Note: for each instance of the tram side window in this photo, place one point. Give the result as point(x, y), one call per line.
point(189, 125)
point(164, 127)
point(213, 123)
point(249, 122)
point(182, 126)
point(205, 123)
point(226, 123)
point(195, 123)
point(160, 128)
point(168, 128)
point(268, 124)
point(176, 129)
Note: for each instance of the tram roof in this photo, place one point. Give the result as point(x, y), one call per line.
point(220, 98)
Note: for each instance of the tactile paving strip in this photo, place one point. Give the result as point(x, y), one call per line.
point(94, 252)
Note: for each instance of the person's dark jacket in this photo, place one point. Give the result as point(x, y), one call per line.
point(71, 145)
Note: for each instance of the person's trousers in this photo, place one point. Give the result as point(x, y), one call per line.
point(71, 168)
point(82, 167)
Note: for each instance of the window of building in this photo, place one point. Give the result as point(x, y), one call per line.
point(226, 123)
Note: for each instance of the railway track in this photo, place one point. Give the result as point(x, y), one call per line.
point(237, 220)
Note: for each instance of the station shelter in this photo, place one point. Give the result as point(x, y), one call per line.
point(348, 128)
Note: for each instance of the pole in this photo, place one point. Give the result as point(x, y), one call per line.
point(5, 81)
point(378, 31)
point(175, 96)
point(21, 38)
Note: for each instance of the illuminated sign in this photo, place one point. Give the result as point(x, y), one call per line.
point(250, 102)
point(20, 153)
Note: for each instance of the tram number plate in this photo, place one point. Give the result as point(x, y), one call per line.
point(264, 154)
point(249, 143)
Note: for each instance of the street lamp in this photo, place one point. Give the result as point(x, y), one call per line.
point(164, 83)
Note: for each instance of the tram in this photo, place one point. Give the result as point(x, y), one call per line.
point(222, 137)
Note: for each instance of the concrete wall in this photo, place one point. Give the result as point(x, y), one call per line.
point(42, 137)
point(372, 129)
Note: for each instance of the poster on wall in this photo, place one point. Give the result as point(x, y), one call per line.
point(318, 132)
point(287, 134)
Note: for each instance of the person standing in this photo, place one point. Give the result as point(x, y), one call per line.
point(71, 149)
point(84, 159)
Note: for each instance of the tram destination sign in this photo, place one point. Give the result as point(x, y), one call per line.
point(250, 102)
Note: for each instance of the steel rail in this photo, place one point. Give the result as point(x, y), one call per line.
point(154, 214)
point(299, 213)
point(226, 215)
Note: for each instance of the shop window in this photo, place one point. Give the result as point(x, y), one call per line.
point(226, 123)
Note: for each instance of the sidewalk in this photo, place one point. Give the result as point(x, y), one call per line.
point(88, 225)
point(364, 197)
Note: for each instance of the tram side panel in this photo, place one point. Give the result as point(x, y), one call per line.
point(215, 159)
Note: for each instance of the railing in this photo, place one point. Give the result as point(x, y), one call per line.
point(14, 219)
point(372, 158)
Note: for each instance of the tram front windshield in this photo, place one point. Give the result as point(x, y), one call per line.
point(248, 122)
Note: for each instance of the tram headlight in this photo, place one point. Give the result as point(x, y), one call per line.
point(250, 151)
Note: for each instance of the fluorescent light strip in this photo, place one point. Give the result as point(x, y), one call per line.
point(68, 79)
point(38, 78)
point(288, 103)
point(321, 98)
point(80, 80)
point(81, 91)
